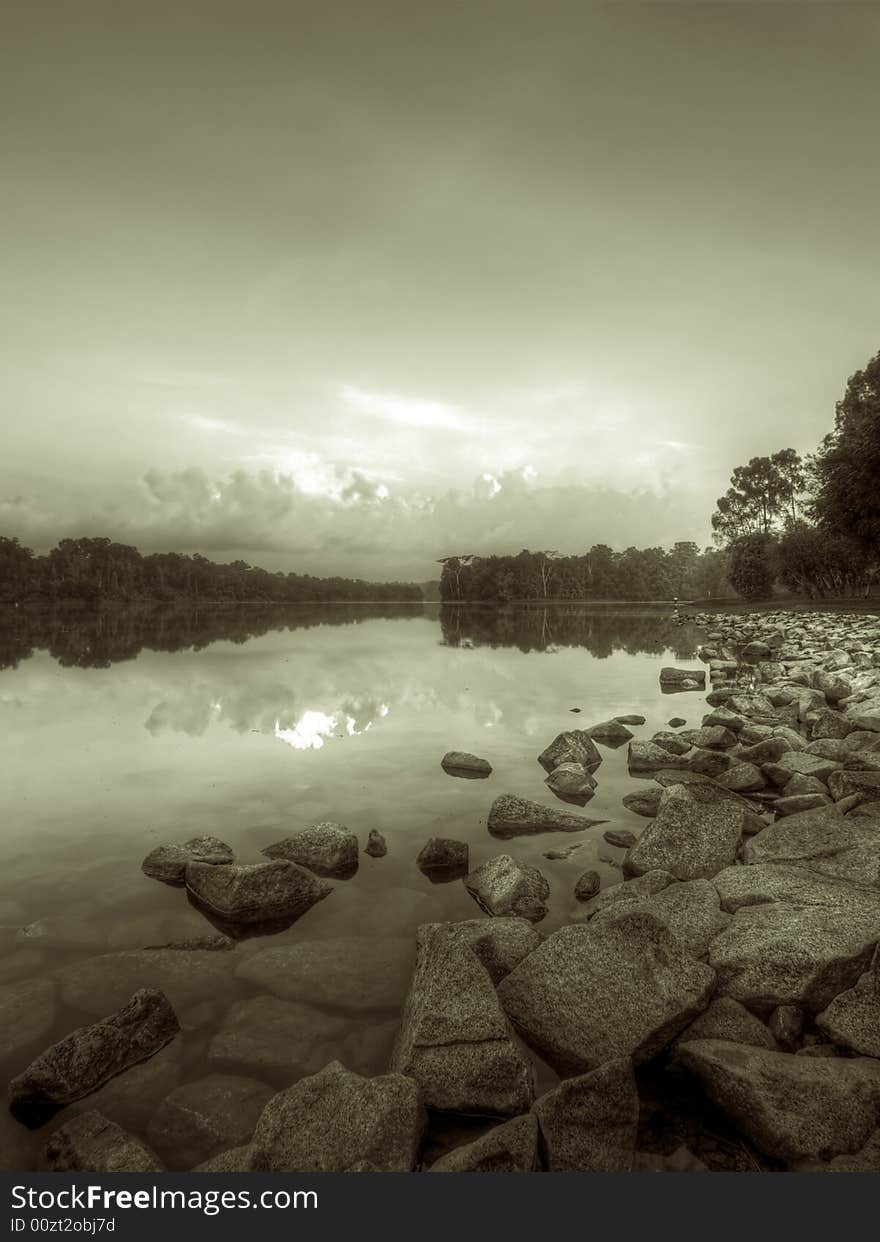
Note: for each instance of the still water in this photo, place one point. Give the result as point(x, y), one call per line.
point(123, 731)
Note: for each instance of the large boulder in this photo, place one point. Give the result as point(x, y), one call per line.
point(573, 746)
point(672, 679)
point(335, 1120)
point(792, 1108)
point(690, 911)
point(443, 857)
point(168, 863)
point(692, 837)
point(509, 1148)
point(824, 841)
point(503, 886)
point(454, 1039)
point(514, 817)
point(87, 1058)
point(796, 938)
point(781, 770)
point(92, 1144)
point(205, 1117)
point(325, 849)
point(610, 732)
point(591, 994)
point(261, 892)
point(728, 1019)
point(588, 1124)
point(864, 786)
point(345, 973)
point(500, 943)
point(852, 1019)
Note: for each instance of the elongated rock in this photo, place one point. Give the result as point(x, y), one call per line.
point(258, 893)
point(462, 763)
point(168, 863)
point(454, 1038)
point(90, 1143)
point(335, 1121)
point(87, 1058)
point(515, 817)
point(589, 995)
point(792, 1108)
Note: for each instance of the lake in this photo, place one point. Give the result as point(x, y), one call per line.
point(129, 729)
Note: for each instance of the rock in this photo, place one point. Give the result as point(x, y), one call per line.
point(346, 973)
point(454, 1039)
point(866, 785)
point(564, 851)
point(131, 1098)
point(376, 846)
point(186, 976)
point(682, 679)
point(258, 893)
point(334, 1120)
point(90, 1056)
point(611, 732)
point(852, 1018)
point(690, 911)
point(828, 723)
point(587, 886)
point(628, 893)
point(168, 862)
point(651, 757)
point(866, 1160)
point(621, 837)
point(571, 782)
point(588, 1124)
point(203, 1118)
point(786, 1024)
point(676, 722)
point(865, 715)
point(630, 720)
point(693, 836)
point(514, 817)
point(92, 1144)
point(645, 802)
point(672, 743)
point(770, 750)
point(727, 1019)
point(277, 1039)
point(589, 995)
point(502, 886)
point(707, 762)
point(756, 651)
point(710, 737)
point(781, 771)
point(460, 763)
point(574, 746)
point(27, 1014)
point(508, 1148)
point(742, 778)
point(800, 784)
point(499, 943)
point(325, 849)
point(445, 855)
point(798, 803)
point(824, 841)
point(796, 939)
point(235, 1160)
point(792, 1108)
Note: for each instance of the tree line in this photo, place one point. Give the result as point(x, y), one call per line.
point(95, 570)
point(811, 524)
point(685, 572)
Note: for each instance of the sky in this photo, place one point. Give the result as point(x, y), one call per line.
point(346, 287)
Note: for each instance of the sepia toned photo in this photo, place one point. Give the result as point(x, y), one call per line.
point(439, 597)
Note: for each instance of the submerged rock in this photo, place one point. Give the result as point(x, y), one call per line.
point(87, 1058)
point(257, 893)
point(203, 1118)
point(574, 746)
point(168, 862)
point(336, 1120)
point(504, 886)
point(326, 849)
point(610, 732)
point(509, 1148)
point(634, 719)
point(454, 1039)
point(186, 976)
point(792, 1108)
point(277, 1039)
point(587, 886)
point(346, 973)
point(376, 846)
point(461, 763)
point(92, 1144)
point(589, 995)
point(693, 836)
point(27, 1014)
point(514, 817)
point(588, 1124)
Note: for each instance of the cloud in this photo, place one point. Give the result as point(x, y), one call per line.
point(407, 411)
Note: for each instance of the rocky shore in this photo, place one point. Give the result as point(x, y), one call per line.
point(717, 1009)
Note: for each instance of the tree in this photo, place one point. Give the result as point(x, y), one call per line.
point(751, 568)
point(847, 465)
point(761, 494)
